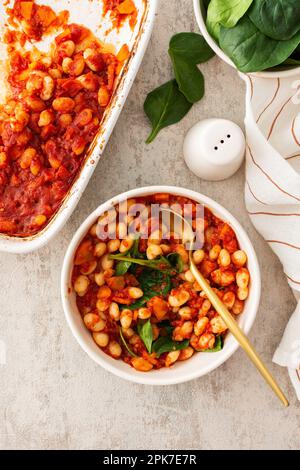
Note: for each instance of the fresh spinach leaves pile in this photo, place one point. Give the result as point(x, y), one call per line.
point(155, 277)
point(256, 34)
point(170, 102)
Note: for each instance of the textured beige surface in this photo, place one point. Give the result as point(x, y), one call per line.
point(53, 396)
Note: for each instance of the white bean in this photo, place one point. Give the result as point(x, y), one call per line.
point(101, 339)
point(81, 285)
point(93, 322)
point(114, 349)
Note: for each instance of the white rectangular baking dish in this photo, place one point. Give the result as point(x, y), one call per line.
point(88, 13)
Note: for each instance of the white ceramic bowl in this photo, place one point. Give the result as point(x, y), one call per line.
point(200, 363)
point(85, 13)
point(200, 12)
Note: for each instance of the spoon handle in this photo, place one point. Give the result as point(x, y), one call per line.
point(237, 332)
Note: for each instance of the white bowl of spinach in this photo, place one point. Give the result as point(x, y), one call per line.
point(255, 36)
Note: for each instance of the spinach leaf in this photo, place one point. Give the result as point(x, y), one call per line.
point(167, 344)
point(217, 346)
point(186, 50)
point(146, 334)
point(225, 13)
point(164, 106)
point(135, 252)
point(152, 283)
point(189, 78)
point(166, 328)
point(251, 50)
point(125, 344)
point(123, 266)
point(161, 263)
point(190, 47)
point(169, 103)
point(137, 304)
point(176, 261)
point(278, 19)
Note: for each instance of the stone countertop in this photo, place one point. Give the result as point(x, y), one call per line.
point(53, 395)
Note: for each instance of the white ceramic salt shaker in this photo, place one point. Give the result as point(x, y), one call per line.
point(214, 149)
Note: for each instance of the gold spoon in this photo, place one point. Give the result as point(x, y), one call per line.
point(222, 310)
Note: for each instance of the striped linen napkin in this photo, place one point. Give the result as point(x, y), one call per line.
point(272, 191)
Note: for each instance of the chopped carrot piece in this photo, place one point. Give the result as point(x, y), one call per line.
point(110, 76)
point(7, 226)
point(3, 159)
point(133, 19)
point(123, 53)
point(135, 315)
point(26, 9)
point(84, 253)
point(62, 17)
point(119, 68)
point(45, 15)
point(24, 75)
point(162, 197)
point(126, 8)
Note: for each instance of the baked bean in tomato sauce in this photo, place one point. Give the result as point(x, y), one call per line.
point(136, 294)
point(52, 114)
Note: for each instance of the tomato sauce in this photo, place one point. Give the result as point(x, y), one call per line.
point(52, 114)
point(120, 11)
